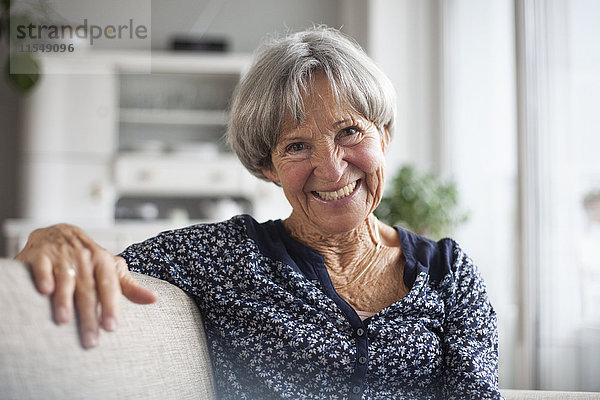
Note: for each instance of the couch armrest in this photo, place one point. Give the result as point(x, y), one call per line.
point(158, 352)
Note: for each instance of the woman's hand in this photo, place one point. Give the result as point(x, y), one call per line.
point(67, 264)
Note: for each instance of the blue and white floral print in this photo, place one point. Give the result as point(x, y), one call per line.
point(277, 329)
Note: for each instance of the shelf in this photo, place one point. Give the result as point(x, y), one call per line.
point(182, 175)
point(133, 133)
point(172, 117)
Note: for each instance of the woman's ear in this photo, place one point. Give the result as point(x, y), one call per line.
point(271, 174)
point(385, 139)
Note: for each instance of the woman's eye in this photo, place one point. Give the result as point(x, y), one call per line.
point(351, 130)
point(350, 135)
point(295, 147)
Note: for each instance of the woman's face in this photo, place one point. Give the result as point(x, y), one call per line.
point(331, 166)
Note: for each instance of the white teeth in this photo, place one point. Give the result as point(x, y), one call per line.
point(338, 194)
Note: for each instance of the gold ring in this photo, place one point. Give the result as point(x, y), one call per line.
point(67, 270)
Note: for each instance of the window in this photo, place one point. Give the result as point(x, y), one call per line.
point(559, 90)
point(502, 96)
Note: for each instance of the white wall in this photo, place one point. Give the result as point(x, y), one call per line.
point(244, 23)
point(403, 39)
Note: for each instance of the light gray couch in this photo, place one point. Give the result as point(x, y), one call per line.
point(158, 352)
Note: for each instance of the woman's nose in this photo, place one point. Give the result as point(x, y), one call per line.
point(329, 164)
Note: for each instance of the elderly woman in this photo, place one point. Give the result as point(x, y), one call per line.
point(329, 303)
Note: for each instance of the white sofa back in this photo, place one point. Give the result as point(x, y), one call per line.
point(158, 352)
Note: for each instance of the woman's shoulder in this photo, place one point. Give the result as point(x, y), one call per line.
point(447, 265)
point(228, 233)
point(232, 229)
point(436, 258)
point(189, 245)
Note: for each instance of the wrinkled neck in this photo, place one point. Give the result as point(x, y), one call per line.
point(343, 252)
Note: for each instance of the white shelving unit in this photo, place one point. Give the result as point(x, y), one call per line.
point(135, 145)
point(172, 117)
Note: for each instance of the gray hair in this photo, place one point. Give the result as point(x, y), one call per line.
point(281, 74)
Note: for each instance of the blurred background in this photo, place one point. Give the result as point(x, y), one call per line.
point(124, 137)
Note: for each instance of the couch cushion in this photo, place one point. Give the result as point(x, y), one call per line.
point(158, 352)
point(547, 395)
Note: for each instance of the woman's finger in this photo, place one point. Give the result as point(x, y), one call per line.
point(130, 288)
point(66, 268)
point(43, 276)
point(86, 300)
point(109, 290)
point(62, 300)
point(135, 292)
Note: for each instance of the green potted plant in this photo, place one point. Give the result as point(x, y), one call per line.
point(421, 203)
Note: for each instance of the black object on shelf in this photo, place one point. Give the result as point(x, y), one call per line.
point(190, 43)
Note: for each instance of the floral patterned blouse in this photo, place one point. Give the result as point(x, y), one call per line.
point(277, 328)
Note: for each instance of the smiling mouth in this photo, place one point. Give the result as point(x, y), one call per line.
point(338, 194)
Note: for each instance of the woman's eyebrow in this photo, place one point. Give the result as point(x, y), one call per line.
point(292, 139)
point(342, 122)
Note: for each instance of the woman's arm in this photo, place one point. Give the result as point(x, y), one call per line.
point(470, 341)
point(79, 274)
